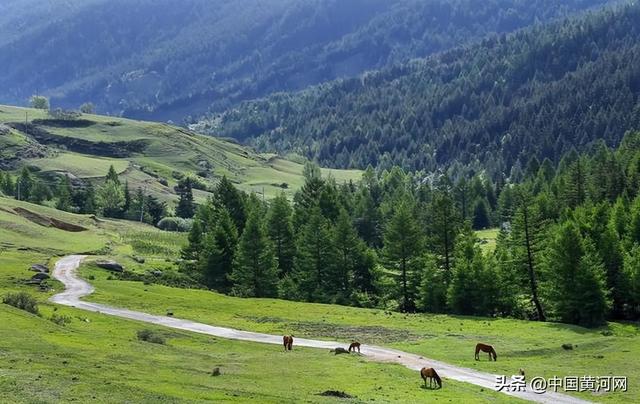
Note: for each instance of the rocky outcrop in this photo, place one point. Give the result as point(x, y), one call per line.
point(110, 265)
point(39, 268)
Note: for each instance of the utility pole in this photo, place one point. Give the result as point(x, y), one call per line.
point(142, 205)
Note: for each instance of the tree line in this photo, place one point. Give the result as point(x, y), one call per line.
point(567, 249)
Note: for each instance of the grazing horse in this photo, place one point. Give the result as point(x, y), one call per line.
point(431, 374)
point(287, 340)
point(486, 348)
point(354, 345)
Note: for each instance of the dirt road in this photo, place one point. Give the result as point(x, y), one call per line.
point(76, 288)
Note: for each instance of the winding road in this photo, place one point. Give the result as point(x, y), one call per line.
point(76, 288)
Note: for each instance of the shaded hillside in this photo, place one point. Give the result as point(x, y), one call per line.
point(192, 55)
point(535, 93)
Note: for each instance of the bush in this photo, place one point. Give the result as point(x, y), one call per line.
point(175, 224)
point(22, 301)
point(147, 335)
point(60, 319)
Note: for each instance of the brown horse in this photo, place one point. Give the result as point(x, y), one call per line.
point(287, 340)
point(486, 348)
point(431, 374)
point(354, 345)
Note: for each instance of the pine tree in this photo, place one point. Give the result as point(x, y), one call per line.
point(64, 192)
point(631, 288)
point(185, 207)
point(218, 253)
point(433, 291)
point(481, 218)
point(527, 238)
point(111, 199)
point(315, 260)
point(472, 289)
point(403, 242)
point(88, 203)
point(349, 249)
point(576, 285)
point(194, 246)
point(255, 272)
point(229, 197)
point(7, 185)
point(280, 232)
point(443, 223)
point(112, 175)
point(24, 185)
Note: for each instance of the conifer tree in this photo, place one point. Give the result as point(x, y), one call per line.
point(255, 271)
point(315, 260)
point(280, 232)
point(403, 243)
point(218, 253)
point(64, 191)
point(227, 196)
point(185, 207)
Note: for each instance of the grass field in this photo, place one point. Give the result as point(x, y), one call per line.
point(95, 358)
point(167, 151)
point(536, 347)
point(488, 239)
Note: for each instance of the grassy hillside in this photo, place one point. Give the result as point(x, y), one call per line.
point(99, 358)
point(149, 155)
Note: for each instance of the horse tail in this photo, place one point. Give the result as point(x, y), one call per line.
point(438, 379)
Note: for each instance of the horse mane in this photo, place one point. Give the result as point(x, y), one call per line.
point(437, 377)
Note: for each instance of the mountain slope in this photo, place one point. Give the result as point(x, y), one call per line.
point(193, 55)
point(152, 156)
point(538, 92)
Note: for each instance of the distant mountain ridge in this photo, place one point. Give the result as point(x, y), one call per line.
point(170, 59)
point(539, 92)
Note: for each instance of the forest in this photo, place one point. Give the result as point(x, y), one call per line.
point(568, 248)
point(538, 92)
point(194, 56)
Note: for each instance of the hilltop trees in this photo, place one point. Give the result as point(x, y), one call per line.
point(39, 102)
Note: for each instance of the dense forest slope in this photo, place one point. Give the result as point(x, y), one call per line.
point(168, 59)
point(538, 92)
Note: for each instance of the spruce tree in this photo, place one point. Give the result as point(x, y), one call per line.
point(315, 261)
point(112, 175)
point(64, 192)
point(218, 253)
point(185, 207)
point(576, 278)
point(433, 291)
point(111, 199)
point(631, 278)
point(403, 243)
point(227, 196)
point(527, 241)
point(443, 223)
point(349, 248)
point(280, 230)
point(255, 271)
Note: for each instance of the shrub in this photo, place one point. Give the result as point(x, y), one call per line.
point(150, 336)
point(175, 224)
point(22, 301)
point(60, 319)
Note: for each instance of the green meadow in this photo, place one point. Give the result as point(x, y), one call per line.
point(93, 357)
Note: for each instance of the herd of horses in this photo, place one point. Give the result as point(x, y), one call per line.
point(425, 373)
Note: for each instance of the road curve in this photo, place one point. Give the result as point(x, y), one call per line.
point(76, 288)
